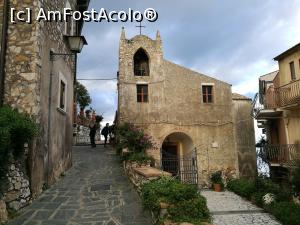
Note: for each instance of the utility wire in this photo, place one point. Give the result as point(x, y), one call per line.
point(99, 79)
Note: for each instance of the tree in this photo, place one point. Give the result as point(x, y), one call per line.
point(82, 95)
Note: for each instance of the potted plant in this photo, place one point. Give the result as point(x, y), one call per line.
point(216, 179)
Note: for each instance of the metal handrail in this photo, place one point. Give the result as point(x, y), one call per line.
point(288, 94)
point(281, 154)
point(277, 97)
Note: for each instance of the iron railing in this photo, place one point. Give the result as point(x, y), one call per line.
point(288, 94)
point(183, 168)
point(285, 155)
point(282, 96)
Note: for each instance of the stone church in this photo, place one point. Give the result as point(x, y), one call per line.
point(188, 114)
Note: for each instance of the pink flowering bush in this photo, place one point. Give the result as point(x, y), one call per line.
point(133, 138)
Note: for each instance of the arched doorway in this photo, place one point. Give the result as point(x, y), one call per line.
point(178, 157)
point(141, 63)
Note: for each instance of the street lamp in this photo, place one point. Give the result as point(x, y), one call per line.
point(76, 43)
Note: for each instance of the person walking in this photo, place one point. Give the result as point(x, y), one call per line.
point(94, 126)
point(105, 132)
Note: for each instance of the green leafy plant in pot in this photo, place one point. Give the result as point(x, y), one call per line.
point(216, 179)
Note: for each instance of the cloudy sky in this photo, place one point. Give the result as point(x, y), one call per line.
point(231, 40)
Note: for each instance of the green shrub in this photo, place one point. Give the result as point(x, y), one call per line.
point(166, 190)
point(265, 185)
point(256, 189)
point(257, 197)
point(193, 211)
point(133, 138)
point(15, 130)
point(186, 204)
point(242, 187)
point(296, 178)
point(138, 157)
point(288, 213)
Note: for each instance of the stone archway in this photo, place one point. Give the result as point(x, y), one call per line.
point(178, 157)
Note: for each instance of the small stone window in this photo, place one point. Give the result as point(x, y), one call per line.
point(142, 93)
point(141, 63)
point(62, 93)
point(207, 93)
point(69, 24)
point(62, 98)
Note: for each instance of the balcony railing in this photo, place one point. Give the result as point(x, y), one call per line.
point(284, 155)
point(288, 94)
point(283, 96)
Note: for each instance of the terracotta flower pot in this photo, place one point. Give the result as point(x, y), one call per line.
point(217, 187)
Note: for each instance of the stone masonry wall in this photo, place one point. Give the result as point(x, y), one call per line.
point(18, 194)
point(1, 21)
point(22, 78)
point(57, 156)
point(27, 83)
point(245, 139)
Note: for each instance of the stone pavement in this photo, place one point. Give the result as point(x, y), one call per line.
point(228, 208)
point(94, 192)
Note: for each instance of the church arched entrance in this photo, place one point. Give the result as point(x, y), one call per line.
point(178, 157)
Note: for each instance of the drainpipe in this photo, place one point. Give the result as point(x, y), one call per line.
point(3, 50)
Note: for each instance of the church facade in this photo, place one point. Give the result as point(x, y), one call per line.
point(188, 114)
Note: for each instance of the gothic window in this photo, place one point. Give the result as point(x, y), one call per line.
point(142, 92)
point(207, 93)
point(141, 63)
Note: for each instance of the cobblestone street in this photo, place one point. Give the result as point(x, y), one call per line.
point(93, 192)
point(228, 208)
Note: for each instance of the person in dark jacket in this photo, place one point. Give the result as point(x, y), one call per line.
point(94, 126)
point(105, 132)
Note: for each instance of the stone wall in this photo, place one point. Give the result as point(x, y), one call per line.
point(82, 135)
point(1, 21)
point(244, 135)
point(3, 212)
point(30, 78)
point(59, 132)
point(18, 193)
point(141, 173)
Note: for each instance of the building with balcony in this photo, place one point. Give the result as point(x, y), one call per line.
point(277, 110)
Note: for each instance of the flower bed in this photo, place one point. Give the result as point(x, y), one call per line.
point(273, 198)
